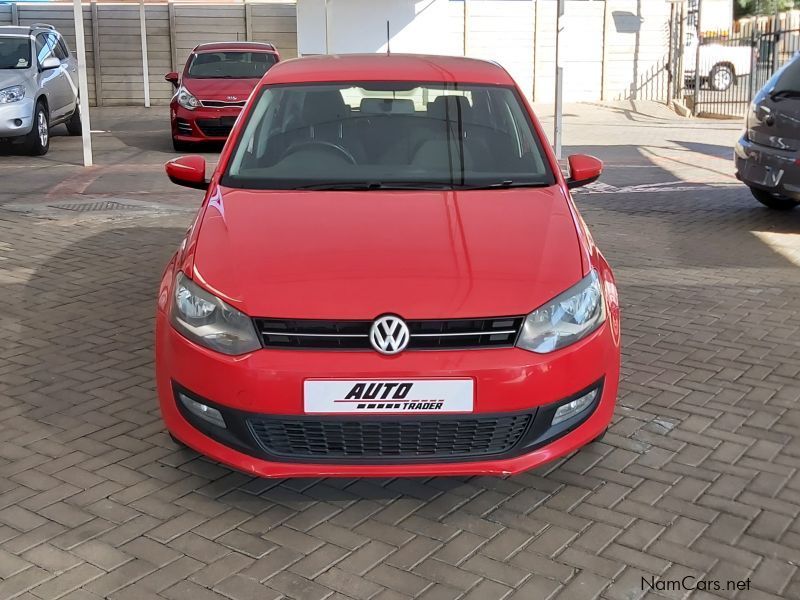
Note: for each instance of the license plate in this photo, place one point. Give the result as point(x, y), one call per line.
point(762, 174)
point(388, 396)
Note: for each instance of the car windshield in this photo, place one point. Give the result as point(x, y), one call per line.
point(387, 135)
point(231, 65)
point(15, 52)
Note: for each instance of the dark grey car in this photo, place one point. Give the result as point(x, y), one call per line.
point(768, 153)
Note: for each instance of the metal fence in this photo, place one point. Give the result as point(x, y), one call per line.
point(733, 69)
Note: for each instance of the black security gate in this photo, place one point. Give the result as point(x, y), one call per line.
point(734, 68)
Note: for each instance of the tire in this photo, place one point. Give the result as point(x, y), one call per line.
point(74, 126)
point(37, 142)
point(721, 78)
point(773, 201)
point(180, 146)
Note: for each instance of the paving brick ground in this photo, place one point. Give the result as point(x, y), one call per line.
point(698, 477)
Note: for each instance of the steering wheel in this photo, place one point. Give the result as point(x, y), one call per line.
point(329, 146)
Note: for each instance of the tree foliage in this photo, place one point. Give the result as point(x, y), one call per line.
point(745, 8)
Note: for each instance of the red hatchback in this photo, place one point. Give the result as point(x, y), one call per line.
point(387, 277)
point(214, 86)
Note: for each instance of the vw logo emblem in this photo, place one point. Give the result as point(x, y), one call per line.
point(389, 334)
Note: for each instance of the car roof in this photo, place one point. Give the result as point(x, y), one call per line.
point(388, 67)
point(26, 30)
point(257, 46)
point(14, 30)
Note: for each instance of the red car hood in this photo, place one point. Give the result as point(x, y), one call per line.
point(356, 255)
point(220, 89)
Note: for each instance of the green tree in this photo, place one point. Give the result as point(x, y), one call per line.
point(744, 8)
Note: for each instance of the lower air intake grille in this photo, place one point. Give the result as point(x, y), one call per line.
point(216, 127)
point(398, 438)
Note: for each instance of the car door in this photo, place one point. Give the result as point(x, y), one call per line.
point(53, 81)
point(70, 64)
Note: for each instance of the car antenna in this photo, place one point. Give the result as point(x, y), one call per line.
point(388, 39)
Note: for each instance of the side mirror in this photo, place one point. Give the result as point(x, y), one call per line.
point(49, 63)
point(188, 171)
point(583, 169)
point(172, 77)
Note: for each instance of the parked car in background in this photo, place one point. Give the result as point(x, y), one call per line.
point(387, 277)
point(213, 88)
point(766, 155)
point(720, 64)
point(38, 86)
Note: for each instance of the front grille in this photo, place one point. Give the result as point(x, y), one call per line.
point(397, 438)
point(449, 334)
point(221, 104)
point(184, 126)
point(216, 127)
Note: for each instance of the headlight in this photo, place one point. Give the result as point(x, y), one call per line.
point(210, 322)
point(15, 93)
point(566, 318)
point(186, 99)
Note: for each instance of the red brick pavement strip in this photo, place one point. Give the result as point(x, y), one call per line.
point(698, 476)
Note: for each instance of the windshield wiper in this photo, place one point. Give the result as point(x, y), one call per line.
point(417, 185)
point(508, 183)
point(777, 95)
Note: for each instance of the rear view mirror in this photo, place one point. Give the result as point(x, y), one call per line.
point(188, 171)
point(172, 77)
point(583, 170)
point(49, 63)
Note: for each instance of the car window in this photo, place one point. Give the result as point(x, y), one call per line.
point(15, 52)
point(387, 134)
point(61, 49)
point(230, 65)
point(787, 78)
point(45, 46)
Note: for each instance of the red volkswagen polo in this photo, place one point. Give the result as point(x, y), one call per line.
point(387, 277)
point(213, 88)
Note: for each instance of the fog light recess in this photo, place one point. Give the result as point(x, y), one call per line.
point(575, 407)
point(207, 413)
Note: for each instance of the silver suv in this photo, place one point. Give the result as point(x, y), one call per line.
point(38, 86)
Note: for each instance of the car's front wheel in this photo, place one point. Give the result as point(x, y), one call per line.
point(37, 142)
point(74, 126)
point(773, 200)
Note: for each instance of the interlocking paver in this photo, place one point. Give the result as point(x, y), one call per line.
point(699, 474)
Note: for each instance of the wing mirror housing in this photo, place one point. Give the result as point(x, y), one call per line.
point(188, 171)
point(49, 63)
point(583, 170)
point(172, 77)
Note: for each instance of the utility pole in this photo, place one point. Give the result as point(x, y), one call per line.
point(698, 33)
point(83, 85)
point(559, 100)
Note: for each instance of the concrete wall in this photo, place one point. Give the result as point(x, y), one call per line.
point(614, 49)
point(113, 42)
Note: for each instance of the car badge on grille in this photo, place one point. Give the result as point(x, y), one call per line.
point(232, 98)
point(389, 334)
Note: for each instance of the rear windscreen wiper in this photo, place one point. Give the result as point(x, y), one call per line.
point(777, 95)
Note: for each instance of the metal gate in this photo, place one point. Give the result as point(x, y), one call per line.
point(733, 69)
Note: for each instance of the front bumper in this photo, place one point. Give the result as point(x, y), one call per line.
point(767, 168)
point(269, 384)
point(16, 118)
point(202, 124)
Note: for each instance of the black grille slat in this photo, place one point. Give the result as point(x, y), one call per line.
point(442, 334)
point(216, 127)
point(377, 439)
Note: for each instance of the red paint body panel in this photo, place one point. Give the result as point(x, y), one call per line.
point(224, 90)
point(326, 255)
point(446, 255)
